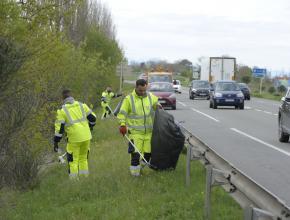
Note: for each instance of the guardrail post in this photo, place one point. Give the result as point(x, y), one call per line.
point(188, 159)
point(214, 177)
point(208, 191)
point(252, 213)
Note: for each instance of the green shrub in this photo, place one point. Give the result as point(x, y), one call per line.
point(271, 89)
point(38, 62)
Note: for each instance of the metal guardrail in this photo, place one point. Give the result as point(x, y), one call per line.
point(257, 202)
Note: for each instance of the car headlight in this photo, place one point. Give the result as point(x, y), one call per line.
point(194, 90)
point(240, 95)
point(218, 95)
point(172, 96)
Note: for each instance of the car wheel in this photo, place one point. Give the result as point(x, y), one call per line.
point(207, 98)
point(214, 105)
point(236, 106)
point(242, 106)
point(190, 96)
point(174, 107)
point(210, 104)
point(249, 98)
point(283, 137)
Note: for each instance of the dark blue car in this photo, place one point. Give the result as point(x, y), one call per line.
point(245, 90)
point(226, 93)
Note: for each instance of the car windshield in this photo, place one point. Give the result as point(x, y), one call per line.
point(200, 84)
point(229, 86)
point(243, 85)
point(160, 87)
point(160, 78)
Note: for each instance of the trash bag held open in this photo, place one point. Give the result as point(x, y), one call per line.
point(167, 141)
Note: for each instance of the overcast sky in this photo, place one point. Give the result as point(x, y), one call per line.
point(256, 32)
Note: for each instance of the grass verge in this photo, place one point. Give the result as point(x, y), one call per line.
point(111, 193)
point(267, 96)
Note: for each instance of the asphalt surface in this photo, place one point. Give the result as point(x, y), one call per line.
point(248, 139)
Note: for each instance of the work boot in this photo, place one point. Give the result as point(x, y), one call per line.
point(135, 170)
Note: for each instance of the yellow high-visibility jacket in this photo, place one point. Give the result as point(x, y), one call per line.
point(72, 118)
point(106, 98)
point(137, 113)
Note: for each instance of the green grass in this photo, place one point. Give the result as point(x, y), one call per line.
point(183, 80)
point(132, 76)
point(111, 193)
point(267, 96)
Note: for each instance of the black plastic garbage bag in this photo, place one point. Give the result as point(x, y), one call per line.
point(167, 141)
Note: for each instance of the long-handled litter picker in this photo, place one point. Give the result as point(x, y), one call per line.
point(136, 149)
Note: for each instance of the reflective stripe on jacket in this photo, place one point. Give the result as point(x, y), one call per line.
point(73, 115)
point(138, 113)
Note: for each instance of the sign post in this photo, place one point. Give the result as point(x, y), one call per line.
point(260, 73)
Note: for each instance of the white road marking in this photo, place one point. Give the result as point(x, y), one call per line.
point(247, 107)
point(269, 103)
point(181, 103)
point(261, 142)
point(206, 115)
point(267, 112)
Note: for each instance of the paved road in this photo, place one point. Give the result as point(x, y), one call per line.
point(247, 138)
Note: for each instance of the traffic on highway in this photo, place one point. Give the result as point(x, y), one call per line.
point(250, 140)
point(254, 141)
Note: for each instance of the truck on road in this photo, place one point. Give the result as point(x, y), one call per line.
point(218, 68)
point(160, 76)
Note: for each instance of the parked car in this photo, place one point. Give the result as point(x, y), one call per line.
point(165, 93)
point(226, 93)
point(176, 85)
point(245, 90)
point(284, 118)
point(199, 88)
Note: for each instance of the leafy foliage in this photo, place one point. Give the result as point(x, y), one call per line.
point(281, 89)
point(46, 46)
point(271, 89)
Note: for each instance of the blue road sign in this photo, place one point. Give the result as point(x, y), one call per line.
point(259, 72)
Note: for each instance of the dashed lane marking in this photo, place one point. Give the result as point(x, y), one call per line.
point(260, 141)
point(206, 115)
point(181, 103)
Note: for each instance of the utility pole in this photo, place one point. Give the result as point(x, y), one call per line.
point(261, 83)
point(121, 76)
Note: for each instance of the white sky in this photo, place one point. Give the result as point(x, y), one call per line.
point(256, 32)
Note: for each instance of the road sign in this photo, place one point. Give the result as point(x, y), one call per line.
point(259, 72)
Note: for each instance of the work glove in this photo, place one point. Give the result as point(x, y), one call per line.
point(55, 147)
point(123, 130)
point(108, 110)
